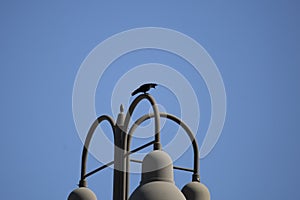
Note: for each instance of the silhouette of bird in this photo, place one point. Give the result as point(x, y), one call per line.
point(144, 88)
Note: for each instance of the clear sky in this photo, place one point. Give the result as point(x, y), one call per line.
point(255, 45)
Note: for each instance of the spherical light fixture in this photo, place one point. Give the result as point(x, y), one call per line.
point(157, 179)
point(195, 191)
point(82, 193)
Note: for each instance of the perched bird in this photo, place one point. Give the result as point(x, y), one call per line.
point(144, 88)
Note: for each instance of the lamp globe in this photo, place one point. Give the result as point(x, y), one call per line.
point(157, 182)
point(195, 191)
point(82, 193)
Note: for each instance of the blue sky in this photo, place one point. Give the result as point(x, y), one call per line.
point(255, 45)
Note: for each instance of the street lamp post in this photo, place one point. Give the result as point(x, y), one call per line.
point(157, 168)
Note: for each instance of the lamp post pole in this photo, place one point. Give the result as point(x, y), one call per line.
point(122, 139)
point(119, 160)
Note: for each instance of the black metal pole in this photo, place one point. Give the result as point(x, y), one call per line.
point(82, 182)
point(119, 165)
point(122, 140)
point(196, 174)
point(156, 145)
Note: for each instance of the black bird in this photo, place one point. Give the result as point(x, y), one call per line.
point(144, 88)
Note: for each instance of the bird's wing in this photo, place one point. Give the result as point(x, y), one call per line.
point(144, 88)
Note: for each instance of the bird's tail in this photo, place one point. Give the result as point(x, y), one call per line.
point(134, 92)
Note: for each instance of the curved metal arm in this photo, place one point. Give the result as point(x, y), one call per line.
point(196, 174)
point(82, 182)
point(156, 116)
